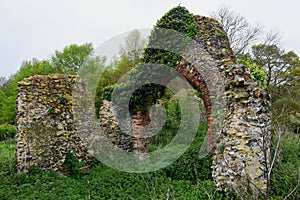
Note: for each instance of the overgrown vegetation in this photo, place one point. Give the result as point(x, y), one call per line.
point(178, 19)
point(187, 178)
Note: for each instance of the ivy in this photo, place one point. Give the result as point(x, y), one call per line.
point(63, 100)
point(181, 21)
point(178, 19)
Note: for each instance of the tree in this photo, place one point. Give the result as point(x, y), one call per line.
point(282, 81)
point(67, 62)
point(241, 34)
point(130, 55)
point(257, 72)
point(178, 19)
point(3, 81)
point(277, 64)
point(28, 68)
point(72, 58)
point(133, 47)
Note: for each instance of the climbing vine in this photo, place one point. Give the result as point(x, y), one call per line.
point(178, 19)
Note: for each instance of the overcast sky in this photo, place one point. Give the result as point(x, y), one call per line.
point(36, 28)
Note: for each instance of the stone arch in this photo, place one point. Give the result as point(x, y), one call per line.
point(241, 144)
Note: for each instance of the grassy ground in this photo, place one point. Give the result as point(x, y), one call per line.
point(187, 178)
point(106, 183)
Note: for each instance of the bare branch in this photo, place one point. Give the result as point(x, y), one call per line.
point(272, 37)
point(241, 34)
point(275, 154)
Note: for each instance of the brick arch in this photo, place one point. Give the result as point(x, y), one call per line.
point(198, 83)
point(203, 64)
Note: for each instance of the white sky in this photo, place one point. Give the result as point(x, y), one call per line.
point(36, 28)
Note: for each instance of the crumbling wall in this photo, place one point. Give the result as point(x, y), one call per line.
point(241, 146)
point(46, 131)
point(108, 122)
point(134, 138)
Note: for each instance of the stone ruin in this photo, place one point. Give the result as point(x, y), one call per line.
point(240, 144)
point(133, 139)
point(46, 131)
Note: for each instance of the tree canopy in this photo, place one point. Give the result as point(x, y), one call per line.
point(68, 61)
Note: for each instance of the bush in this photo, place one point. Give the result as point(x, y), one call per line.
point(285, 174)
point(7, 131)
point(190, 166)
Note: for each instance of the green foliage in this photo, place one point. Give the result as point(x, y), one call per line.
point(67, 61)
point(105, 80)
point(105, 183)
point(133, 48)
point(189, 177)
point(286, 172)
point(277, 63)
point(63, 100)
point(7, 131)
point(178, 19)
point(286, 112)
point(7, 107)
point(282, 81)
point(8, 92)
point(190, 166)
point(107, 92)
point(71, 164)
point(164, 136)
point(257, 72)
point(90, 72)
point(130, 56)
point(72, 58)
point(7, 157)
point(145, 93)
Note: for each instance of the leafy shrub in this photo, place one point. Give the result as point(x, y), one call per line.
point(164, 136)
point(286, 172)
point(190, 166)
point(71, 164)
point(7, 131)
point(107, 92)
point(257, 72)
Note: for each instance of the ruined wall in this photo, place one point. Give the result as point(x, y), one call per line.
point(241, 145)
point(46, 130)
point(110, 127)
point(133, 139)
